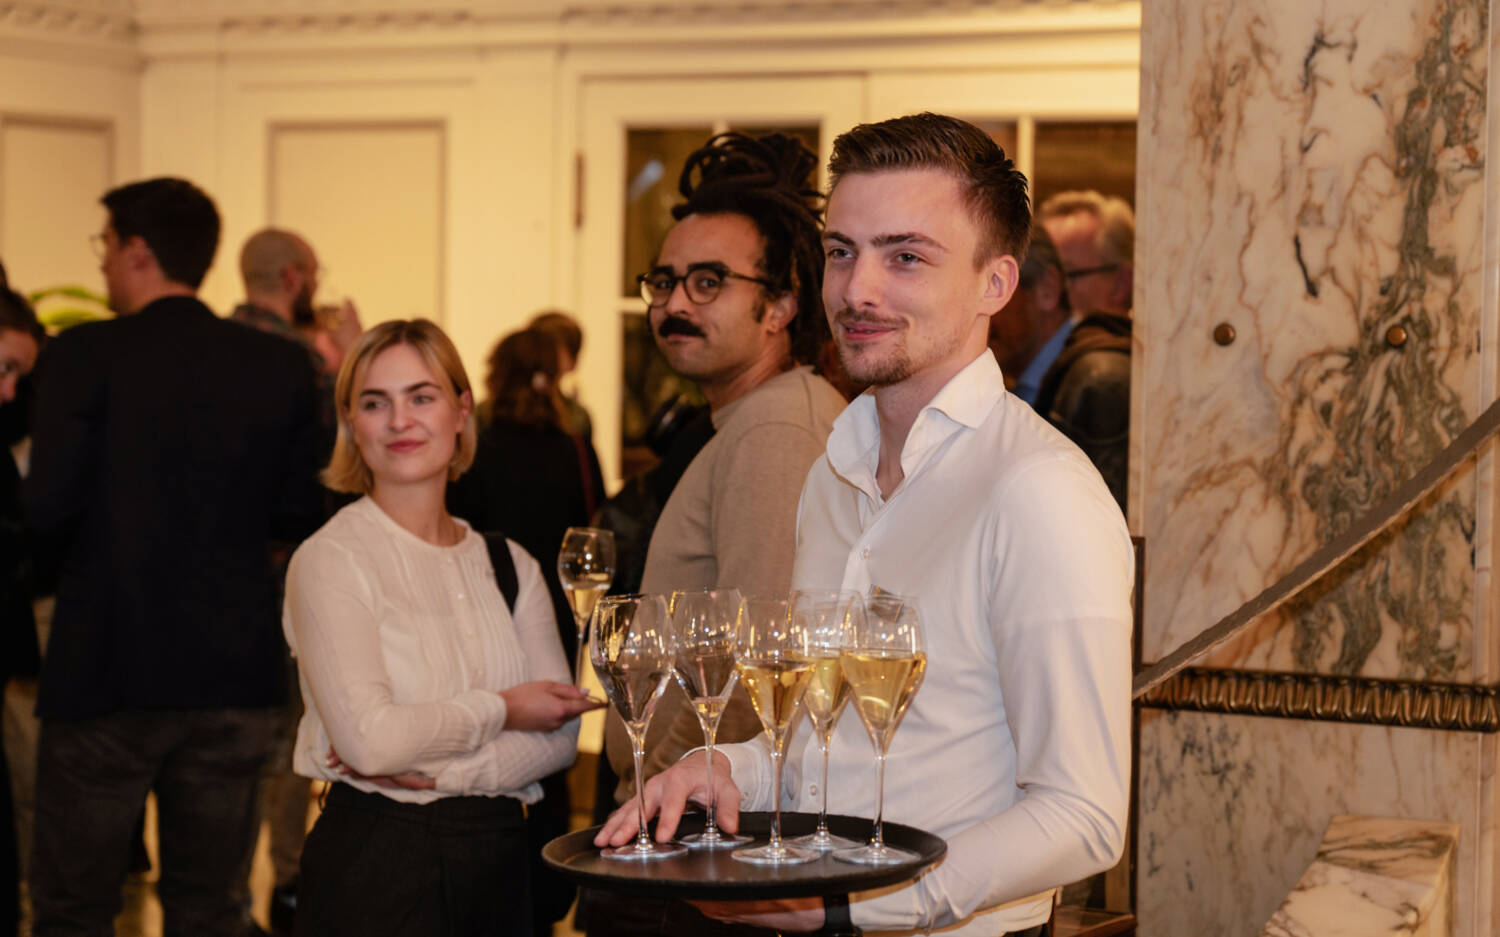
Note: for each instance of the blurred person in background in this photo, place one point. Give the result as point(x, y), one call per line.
point(564, 330)
point(280, 271)
point(21, 340)
point(171, 449)
point(435, 684)
point(1086, 391)
point(1028, 334)
point(531, 480)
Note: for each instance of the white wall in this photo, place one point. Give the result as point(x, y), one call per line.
point(68, 131)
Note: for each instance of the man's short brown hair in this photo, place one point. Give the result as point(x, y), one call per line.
point(993, 189)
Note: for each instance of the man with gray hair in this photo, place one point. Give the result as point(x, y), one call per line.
point(1086, 390)
point(1095, 236)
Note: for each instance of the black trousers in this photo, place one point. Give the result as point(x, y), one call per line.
point(457, 867)
point(92, 780)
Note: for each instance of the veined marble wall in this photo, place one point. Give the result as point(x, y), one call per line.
point(1315, 175)
point(1312, 174)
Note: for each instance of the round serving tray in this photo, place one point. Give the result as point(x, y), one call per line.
point(717, 875)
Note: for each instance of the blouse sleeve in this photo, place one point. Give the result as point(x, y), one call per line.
point(512, 760)
point(332, 626)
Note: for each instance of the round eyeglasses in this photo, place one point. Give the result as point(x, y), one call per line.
point(701, 283)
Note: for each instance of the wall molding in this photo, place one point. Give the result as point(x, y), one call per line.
point(1323, 698)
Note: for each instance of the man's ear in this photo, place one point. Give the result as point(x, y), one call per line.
point(137, 252)
point(1002, 276)
point(780, 312)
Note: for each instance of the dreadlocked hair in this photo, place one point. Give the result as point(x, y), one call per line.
point(769, 180)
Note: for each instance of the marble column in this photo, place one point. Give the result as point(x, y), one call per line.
point(1313, 174)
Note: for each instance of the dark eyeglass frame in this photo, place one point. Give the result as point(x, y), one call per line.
point(697, 295)
point(1090, 271)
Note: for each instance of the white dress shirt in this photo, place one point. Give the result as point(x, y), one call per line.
point(403, 647)
point(1016, 748)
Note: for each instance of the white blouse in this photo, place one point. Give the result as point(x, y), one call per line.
point(403, 647)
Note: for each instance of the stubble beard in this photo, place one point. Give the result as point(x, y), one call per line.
point(867, 365)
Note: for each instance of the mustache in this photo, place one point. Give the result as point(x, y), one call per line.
point(847, 316)
point(672, 325)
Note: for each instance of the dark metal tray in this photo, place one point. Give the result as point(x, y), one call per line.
point(716, 875)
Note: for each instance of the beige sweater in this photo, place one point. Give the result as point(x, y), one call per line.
point(731, 521)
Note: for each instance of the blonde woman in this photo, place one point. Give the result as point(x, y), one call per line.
point(433, 704)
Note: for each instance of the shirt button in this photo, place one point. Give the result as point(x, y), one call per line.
point(812, 789)
point(865, 553)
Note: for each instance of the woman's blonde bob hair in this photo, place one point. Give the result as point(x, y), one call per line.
point(347, 471)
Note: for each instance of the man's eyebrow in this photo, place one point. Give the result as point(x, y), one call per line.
point(717, 266)
point(908, 237)
point(886, 240)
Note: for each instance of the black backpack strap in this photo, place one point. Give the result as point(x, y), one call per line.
point(504, 566)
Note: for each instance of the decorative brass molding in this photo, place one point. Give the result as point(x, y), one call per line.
point(1323, 698)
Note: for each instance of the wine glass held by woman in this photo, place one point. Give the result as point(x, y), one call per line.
point(433, 702)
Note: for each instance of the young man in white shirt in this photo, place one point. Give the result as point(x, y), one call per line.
point(939, 484)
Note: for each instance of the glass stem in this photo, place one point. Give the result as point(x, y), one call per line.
point(638, 752)
point(581, 655)
point(709, 734)
point(823, 806)
point(775, 844)
point(879, 841)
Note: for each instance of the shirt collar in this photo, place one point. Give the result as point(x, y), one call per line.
point(963, 403)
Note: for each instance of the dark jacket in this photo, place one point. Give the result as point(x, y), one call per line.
point(531, 483)
point(171, 449)
point(1086, 394)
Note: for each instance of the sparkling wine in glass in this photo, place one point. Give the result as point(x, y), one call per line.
point(773, 660)
point(827, 615)
point(632, 656)
point(884, 663)
point(586, 567)
point(703, 641)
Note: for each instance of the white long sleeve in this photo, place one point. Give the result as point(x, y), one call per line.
point(403, 647)
point(1017, 747)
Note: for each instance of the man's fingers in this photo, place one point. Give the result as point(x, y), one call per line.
point(675, 789)
point(727, 807)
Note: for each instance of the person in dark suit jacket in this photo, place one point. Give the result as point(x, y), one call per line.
point(170, 448)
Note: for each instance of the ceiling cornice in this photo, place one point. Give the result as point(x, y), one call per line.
point(216, 27)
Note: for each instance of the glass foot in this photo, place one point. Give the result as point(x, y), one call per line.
point(875, 854)
point(823, 841)
point(714, 838)
point(775, 855)
point(643, 852)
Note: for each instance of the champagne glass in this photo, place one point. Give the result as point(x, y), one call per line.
point(827, 615)
point(771, 655)
point(884, 662)
point(632, 656)
point(586, 566)
point(703, 645)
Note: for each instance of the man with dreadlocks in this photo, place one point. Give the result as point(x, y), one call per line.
point(734, 301)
